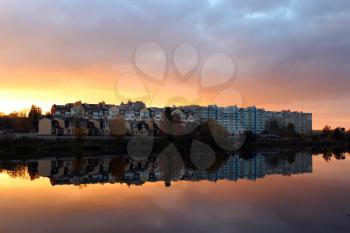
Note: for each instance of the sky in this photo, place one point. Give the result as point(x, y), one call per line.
point(285, 54)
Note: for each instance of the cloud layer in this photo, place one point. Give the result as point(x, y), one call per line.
point(298, 51)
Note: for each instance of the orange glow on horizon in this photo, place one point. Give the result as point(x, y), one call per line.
point(97, 84)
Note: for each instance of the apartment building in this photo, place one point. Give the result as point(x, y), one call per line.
point(85, 111)
point(234, 119)
point(252, 119)
point(301, 121)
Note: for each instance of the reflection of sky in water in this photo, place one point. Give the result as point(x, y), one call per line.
point(309, 202)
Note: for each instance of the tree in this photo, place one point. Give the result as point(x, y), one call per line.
point(251, 137)
point(327, 155)
point(22, 114)
point(291, 128)
point(348, 135)
point(327, 132)
point(13, 115)
point(166, 123)
point(48, 114)
point(273, 127)
point(116, 168)
point(223, 138)
point(79, 131)
point(168, 114)
point(315, 137)
point(339, 134)
point(34, 115)
point(118, 127)
point(338, 154)
point(22, 125)
point(288, 131)
point(32, 168)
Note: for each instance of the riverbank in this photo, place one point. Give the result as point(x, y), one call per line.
point(261, 142)
point(22, 147)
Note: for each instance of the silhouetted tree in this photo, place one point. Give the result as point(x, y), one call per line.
point(327, 132)
point(16, 124)
point(33, 170)
point(118, 127)
point(166, 124)
point(168, 113)
point(315, 137)
point(327, 155)
point(14, 170)
point(339, 134)
point(79, 131)
point(338, 154)
point(291, 128)
point(273, 127)
point(116, 168)
point(251, 137)
point(14, 115)
point(48, 114)
point(34, 115)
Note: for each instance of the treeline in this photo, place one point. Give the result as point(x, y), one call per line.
point(274, 128)
point(338, 134)
point(16, 125)
point(21, 122)
point(287, 136)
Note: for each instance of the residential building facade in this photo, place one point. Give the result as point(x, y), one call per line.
point(95, 118)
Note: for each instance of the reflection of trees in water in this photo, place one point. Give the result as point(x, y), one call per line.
point(337, 153)
point(221, 158)
point(170, 164)
point(274, 161)
point(116, 168)
point(291, 159)
point(20, 169)
point(281, 157)
point(184, 150)
point(212, 133)
point(14, 169)
point(327, 154)
point(18, 172)
point(33, 170)
point(175, 163)
point(77, 164)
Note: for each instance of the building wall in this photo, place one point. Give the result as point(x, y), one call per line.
point(232, 118)
point(301, 121)
point(45, 126)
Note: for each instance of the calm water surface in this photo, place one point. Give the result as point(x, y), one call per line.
point(261, 193)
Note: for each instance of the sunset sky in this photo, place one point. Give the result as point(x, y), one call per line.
point(288, 54)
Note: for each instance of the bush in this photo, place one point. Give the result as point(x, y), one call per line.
point(315, 137)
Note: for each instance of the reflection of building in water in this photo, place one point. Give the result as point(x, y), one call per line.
point(235, 168)
point(131, 172)
point(301, 163)
point(122, 169)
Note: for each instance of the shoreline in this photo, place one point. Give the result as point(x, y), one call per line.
point(24, 147)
